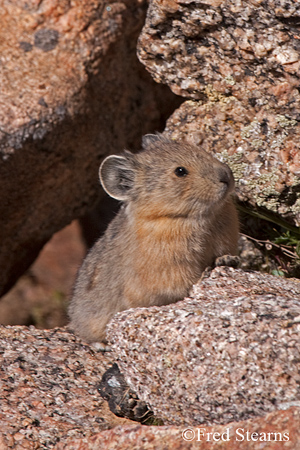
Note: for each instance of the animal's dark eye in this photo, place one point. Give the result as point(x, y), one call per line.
point(181, 172)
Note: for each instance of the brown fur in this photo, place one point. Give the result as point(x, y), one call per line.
point(168, 231)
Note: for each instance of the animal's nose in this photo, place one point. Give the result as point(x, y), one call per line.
point(225, 176)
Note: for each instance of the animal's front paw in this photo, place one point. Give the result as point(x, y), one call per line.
point(227, 260)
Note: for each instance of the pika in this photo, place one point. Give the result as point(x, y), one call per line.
point(177, 217)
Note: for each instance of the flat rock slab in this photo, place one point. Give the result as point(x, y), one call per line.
point(239, 65)
point(48, 388)
point(276, 431)
point(229, 352)
point(72, 91)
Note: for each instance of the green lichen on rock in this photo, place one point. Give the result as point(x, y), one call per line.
point(275, 137)
point(257, 143)
point(285, 122)
point(248, 131)
point(252, 133)
point(230, 80)
point(215, 96)
point(268, 194)
point(295, 208)
point(262, 187)
point(277, 140)
point(235, 162)
point(263, 190)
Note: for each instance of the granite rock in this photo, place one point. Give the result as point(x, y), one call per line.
point(238, 64)
point(279, 430)
point(49, 399)
point(40, 296)
point(72, 91)
point(48, 388)
point(229, 352)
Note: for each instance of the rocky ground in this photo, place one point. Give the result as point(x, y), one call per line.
point(48, 388)
point(41, 296)
point(220, 369)
point(245, 366)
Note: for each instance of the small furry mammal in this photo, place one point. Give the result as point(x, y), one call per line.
point(177, 218)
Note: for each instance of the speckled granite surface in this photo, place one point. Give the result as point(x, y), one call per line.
point(276, 431)
point(229, 352)
point(237, 63)
point(48, 388)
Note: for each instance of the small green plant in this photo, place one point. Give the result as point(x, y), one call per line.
point(153, 421)
point(283, 248)
point(278, 240)
point(278, 273)
point(290, 244)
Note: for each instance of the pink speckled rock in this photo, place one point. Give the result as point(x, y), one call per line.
point(72, 91)
point(229, 352)
point(49, 399)
point(239, 64)
point(234, 436)
point(48, 388)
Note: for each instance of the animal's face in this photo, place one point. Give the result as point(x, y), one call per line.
point(167, 178)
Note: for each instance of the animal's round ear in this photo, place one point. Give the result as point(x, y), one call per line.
point(117, 175)
point(154, 140)
point(150, 140)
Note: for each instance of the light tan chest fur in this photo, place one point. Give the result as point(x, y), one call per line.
point(165, 261)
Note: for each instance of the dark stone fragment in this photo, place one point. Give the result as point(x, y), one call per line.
point(122, 401)
point(26, 46)
point(42, 102)
point(46, 39)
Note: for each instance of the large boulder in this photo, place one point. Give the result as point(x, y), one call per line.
point(72, 91)
point(48, 388)
point(229, 352)
point(49, 399)
point(239, 65)
point(275, 431)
